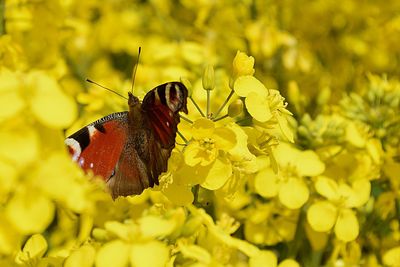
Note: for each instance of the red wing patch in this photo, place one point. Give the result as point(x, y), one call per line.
point(98, 146)
point(163, 121)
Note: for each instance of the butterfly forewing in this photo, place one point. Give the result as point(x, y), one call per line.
point(98, 146)
point(161, 106)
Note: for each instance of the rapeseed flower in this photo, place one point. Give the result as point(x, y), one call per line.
point(236, 192)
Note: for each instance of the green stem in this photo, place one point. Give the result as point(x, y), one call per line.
point(183, 138)
point(297, 242)
point(197, 106)
point(316, 257)
point(208, 104)
point(224, 104)
point(186, 119)
point(221, 118)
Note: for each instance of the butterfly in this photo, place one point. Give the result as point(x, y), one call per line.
point(130, 149)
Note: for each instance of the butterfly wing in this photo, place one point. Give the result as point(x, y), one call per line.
point(98, 146)
point(142, 161)
point(161, 106)
point(130, 150)
point(152, 131)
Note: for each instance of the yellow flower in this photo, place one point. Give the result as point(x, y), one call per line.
point(337, 211)
point(266, 106)
point(242, 65)
point(288, 183)
point(269, 224)
point(33, 250)
point(11, 100)
point(392, 257)
point(48, 102)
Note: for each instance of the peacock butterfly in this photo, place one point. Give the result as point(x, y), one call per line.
point(130, 149)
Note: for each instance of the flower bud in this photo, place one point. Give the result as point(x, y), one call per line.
point(235, 108)
point(243, 65)
point(209, 78)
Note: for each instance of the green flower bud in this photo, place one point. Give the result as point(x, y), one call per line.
point(235, 108)
point(209, 78)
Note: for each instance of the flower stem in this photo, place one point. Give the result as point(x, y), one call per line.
point(186, 119)
point(197, 106)
point(221, 118)
point(208, 104)
point(183, 138)
point(224, 104)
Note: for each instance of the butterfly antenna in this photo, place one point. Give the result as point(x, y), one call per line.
point(135, 68)
point(90, 81)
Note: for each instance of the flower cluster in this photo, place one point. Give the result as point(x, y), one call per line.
point(289, 155)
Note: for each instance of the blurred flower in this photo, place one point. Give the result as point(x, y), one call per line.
point(336, 209)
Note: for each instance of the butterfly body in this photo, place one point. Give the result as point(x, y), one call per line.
point(131, 149)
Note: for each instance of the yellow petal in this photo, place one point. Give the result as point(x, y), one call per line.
point(258, 107)
point(10, 100)
point(192, 153)
point(106, 256)
point(83, 257)
point(289, 263)
point(240, 151)
point(391, 257)
point(154, 226)
point(10, 240)
point(322, 216)
point(153, 253)
point(286, 154)
point(374, 148)
point(244, 85)
point(20, 147)
point(360, 193)
point(264, 258)
point(202, 128)
point(243, 64)
point(346, 228)
point(309, 164)
point(354, 136)
point(224, 138)
point(36, 246)
point(195, 252)
point(284, 126)
point(8, 178)
point(218, 174)
point(49, 104)
point(180, 195)
point(327, 187)
point(294, 193)
point(30, 211)
point(266, 183)
point(33, 250)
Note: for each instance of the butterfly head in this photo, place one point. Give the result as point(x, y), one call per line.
point(132, 100)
